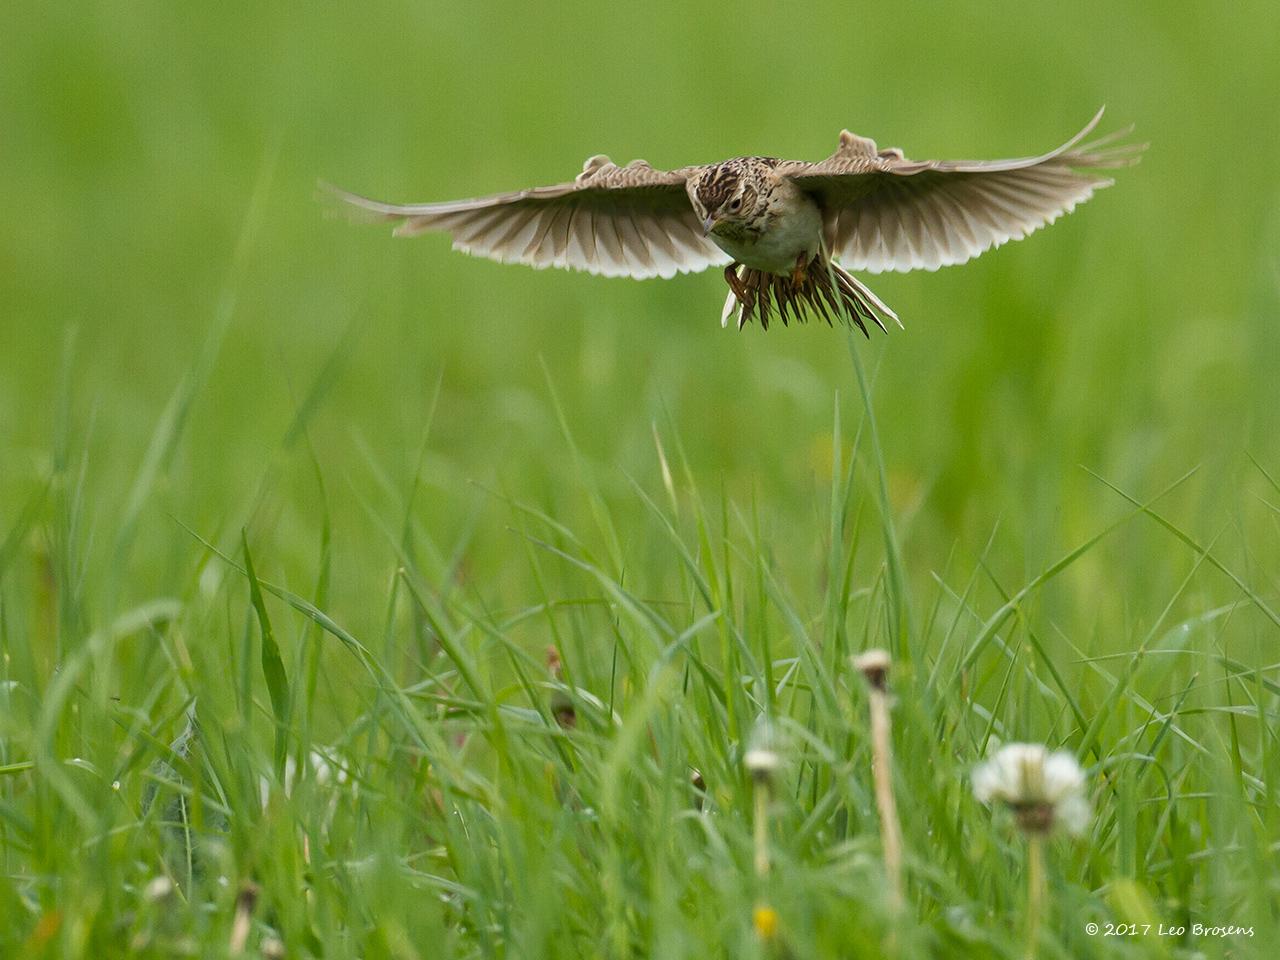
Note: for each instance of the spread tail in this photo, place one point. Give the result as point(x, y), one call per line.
point(824, 290)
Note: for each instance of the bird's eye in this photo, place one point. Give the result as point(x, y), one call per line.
point(735, 204)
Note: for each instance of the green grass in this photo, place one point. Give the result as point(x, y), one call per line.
point(275, 487)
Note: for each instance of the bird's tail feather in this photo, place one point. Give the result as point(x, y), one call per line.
point(825, 290)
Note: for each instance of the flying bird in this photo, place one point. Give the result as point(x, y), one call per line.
point(786, 232)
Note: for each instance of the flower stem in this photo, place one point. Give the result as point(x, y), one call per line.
point(882, 774)
point(762, 829)
point(1035, 892)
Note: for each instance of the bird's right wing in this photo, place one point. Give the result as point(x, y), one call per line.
point(882, 211)
point(631, 221)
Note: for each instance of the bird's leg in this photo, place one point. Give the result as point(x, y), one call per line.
point(801, 271)
point(743, 291)
point(731, 278)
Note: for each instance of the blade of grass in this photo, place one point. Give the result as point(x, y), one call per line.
point(272, 665)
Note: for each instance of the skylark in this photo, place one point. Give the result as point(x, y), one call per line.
point(776, 226)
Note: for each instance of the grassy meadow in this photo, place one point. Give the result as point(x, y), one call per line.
point(361, 599)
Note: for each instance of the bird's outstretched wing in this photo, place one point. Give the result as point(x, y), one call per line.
point(631, 221)
point(882, 211)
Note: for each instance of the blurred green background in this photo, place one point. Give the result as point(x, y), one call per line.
point(190, 346)
point(157, 173)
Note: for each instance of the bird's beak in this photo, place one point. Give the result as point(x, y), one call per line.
point(708, 224)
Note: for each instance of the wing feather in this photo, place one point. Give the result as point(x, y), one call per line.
point(885, 212)
point(640, 250)
point(517, 232)
point(558, 235)
point(633, 246)
point(631, 221)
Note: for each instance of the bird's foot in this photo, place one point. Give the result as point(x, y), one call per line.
point(801, 271)
point(735, 284)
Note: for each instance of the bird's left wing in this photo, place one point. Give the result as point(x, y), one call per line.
point(882, 211)
point(631, 221)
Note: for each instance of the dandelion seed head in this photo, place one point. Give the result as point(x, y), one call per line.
point(1074, 814)
point(761, 763)
point(1043, 789)
point(764, 752)
point(874, 665)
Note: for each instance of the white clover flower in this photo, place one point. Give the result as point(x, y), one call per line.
point(1043, 789)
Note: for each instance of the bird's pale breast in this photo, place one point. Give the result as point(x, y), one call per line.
point(790, 226)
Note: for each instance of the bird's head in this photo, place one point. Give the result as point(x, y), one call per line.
point(725, 196)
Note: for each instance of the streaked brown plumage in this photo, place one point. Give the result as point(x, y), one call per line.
point(778, 226)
